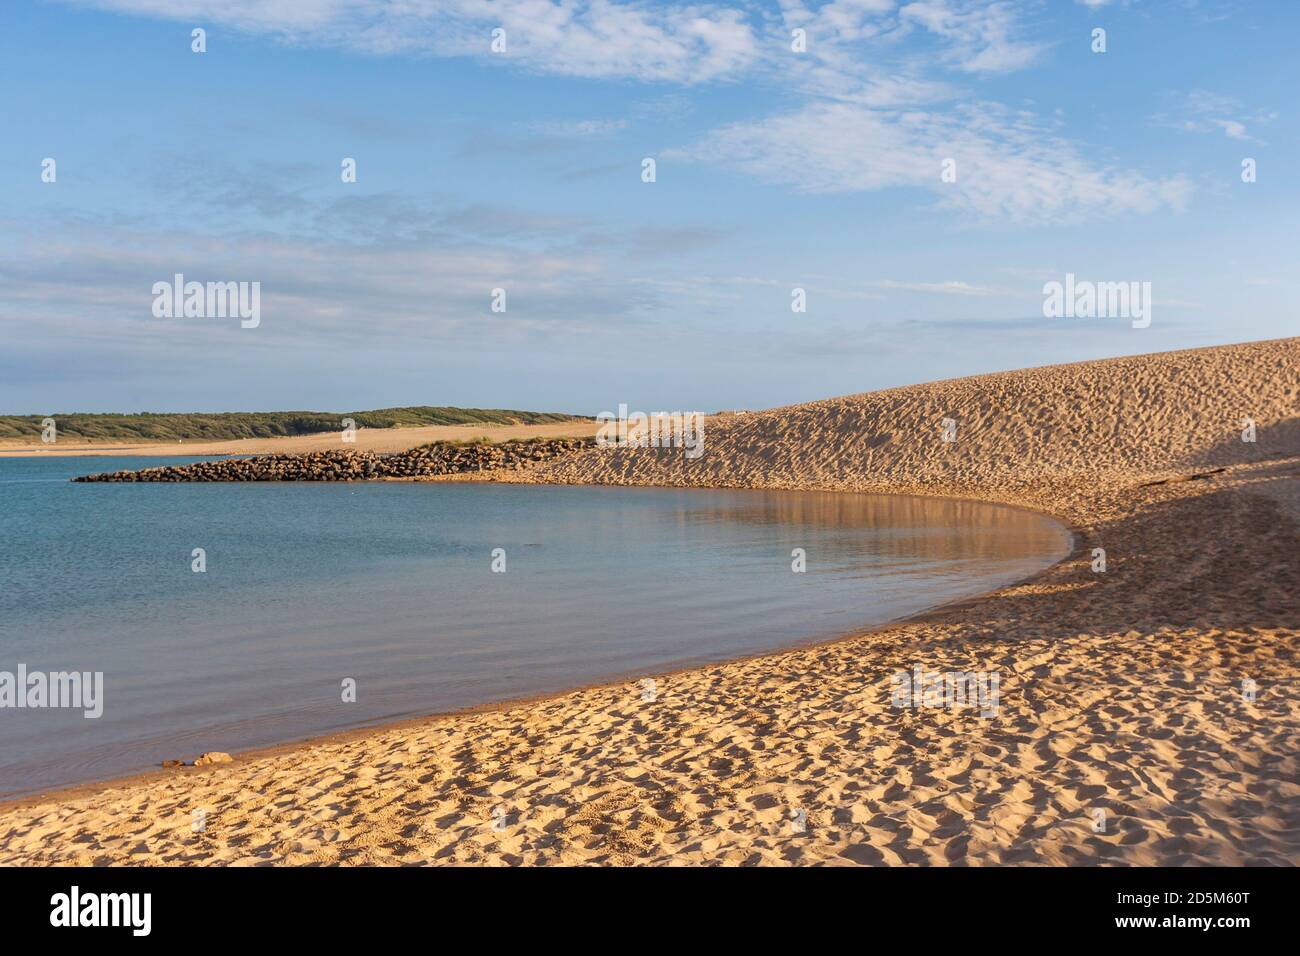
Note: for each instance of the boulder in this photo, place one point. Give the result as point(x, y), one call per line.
point(211, 757)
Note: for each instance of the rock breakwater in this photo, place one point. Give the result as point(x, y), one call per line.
point(439, 458)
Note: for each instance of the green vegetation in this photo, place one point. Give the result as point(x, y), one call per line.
point(222, 426)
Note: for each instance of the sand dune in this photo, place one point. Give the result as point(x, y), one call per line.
point(1124, 733)
point(1092, 424)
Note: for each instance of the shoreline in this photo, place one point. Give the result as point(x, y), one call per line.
point(1123, 693)
point(91, 788)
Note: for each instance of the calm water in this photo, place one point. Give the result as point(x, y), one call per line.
point(391, 584)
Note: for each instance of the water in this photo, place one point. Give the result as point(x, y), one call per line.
point(390, 584)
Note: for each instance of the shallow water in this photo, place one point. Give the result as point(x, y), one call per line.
point(391, 584)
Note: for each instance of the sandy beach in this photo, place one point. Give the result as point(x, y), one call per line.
point(1149, 712)
point(367, 439)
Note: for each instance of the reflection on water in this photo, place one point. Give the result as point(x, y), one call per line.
point(899, 523)
point(391, 585)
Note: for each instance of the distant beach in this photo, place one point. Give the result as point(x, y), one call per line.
point(367, 439)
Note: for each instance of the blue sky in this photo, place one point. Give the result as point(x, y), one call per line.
point(522, 170)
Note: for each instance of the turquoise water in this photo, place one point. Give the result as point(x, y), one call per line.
point(391, 585)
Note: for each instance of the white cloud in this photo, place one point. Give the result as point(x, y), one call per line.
point(577, 129)
point(99, 283)
point(1201, 111)
point(650, 41)
point(596, 39)
point(1232, 129)
point(984, 37)
point(870, 120)
point(1007, 167)
point(948, 287)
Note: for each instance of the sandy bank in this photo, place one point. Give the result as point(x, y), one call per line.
point(368, 439)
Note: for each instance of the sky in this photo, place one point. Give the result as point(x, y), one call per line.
point(920, 169)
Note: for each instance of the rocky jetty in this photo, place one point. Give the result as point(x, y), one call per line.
point(439, 458)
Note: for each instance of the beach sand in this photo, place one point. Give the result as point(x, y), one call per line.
point(368, 439)
point(1124, 733)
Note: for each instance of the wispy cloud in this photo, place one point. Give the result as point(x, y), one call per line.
point(351, 268)
point(873, 116)
point(686, 43)
point(949, 287)
point(984, 37)
point(647, 41)
point(576, 129)
point(1201, 111)
point(421, 290)
point(1006, 165)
